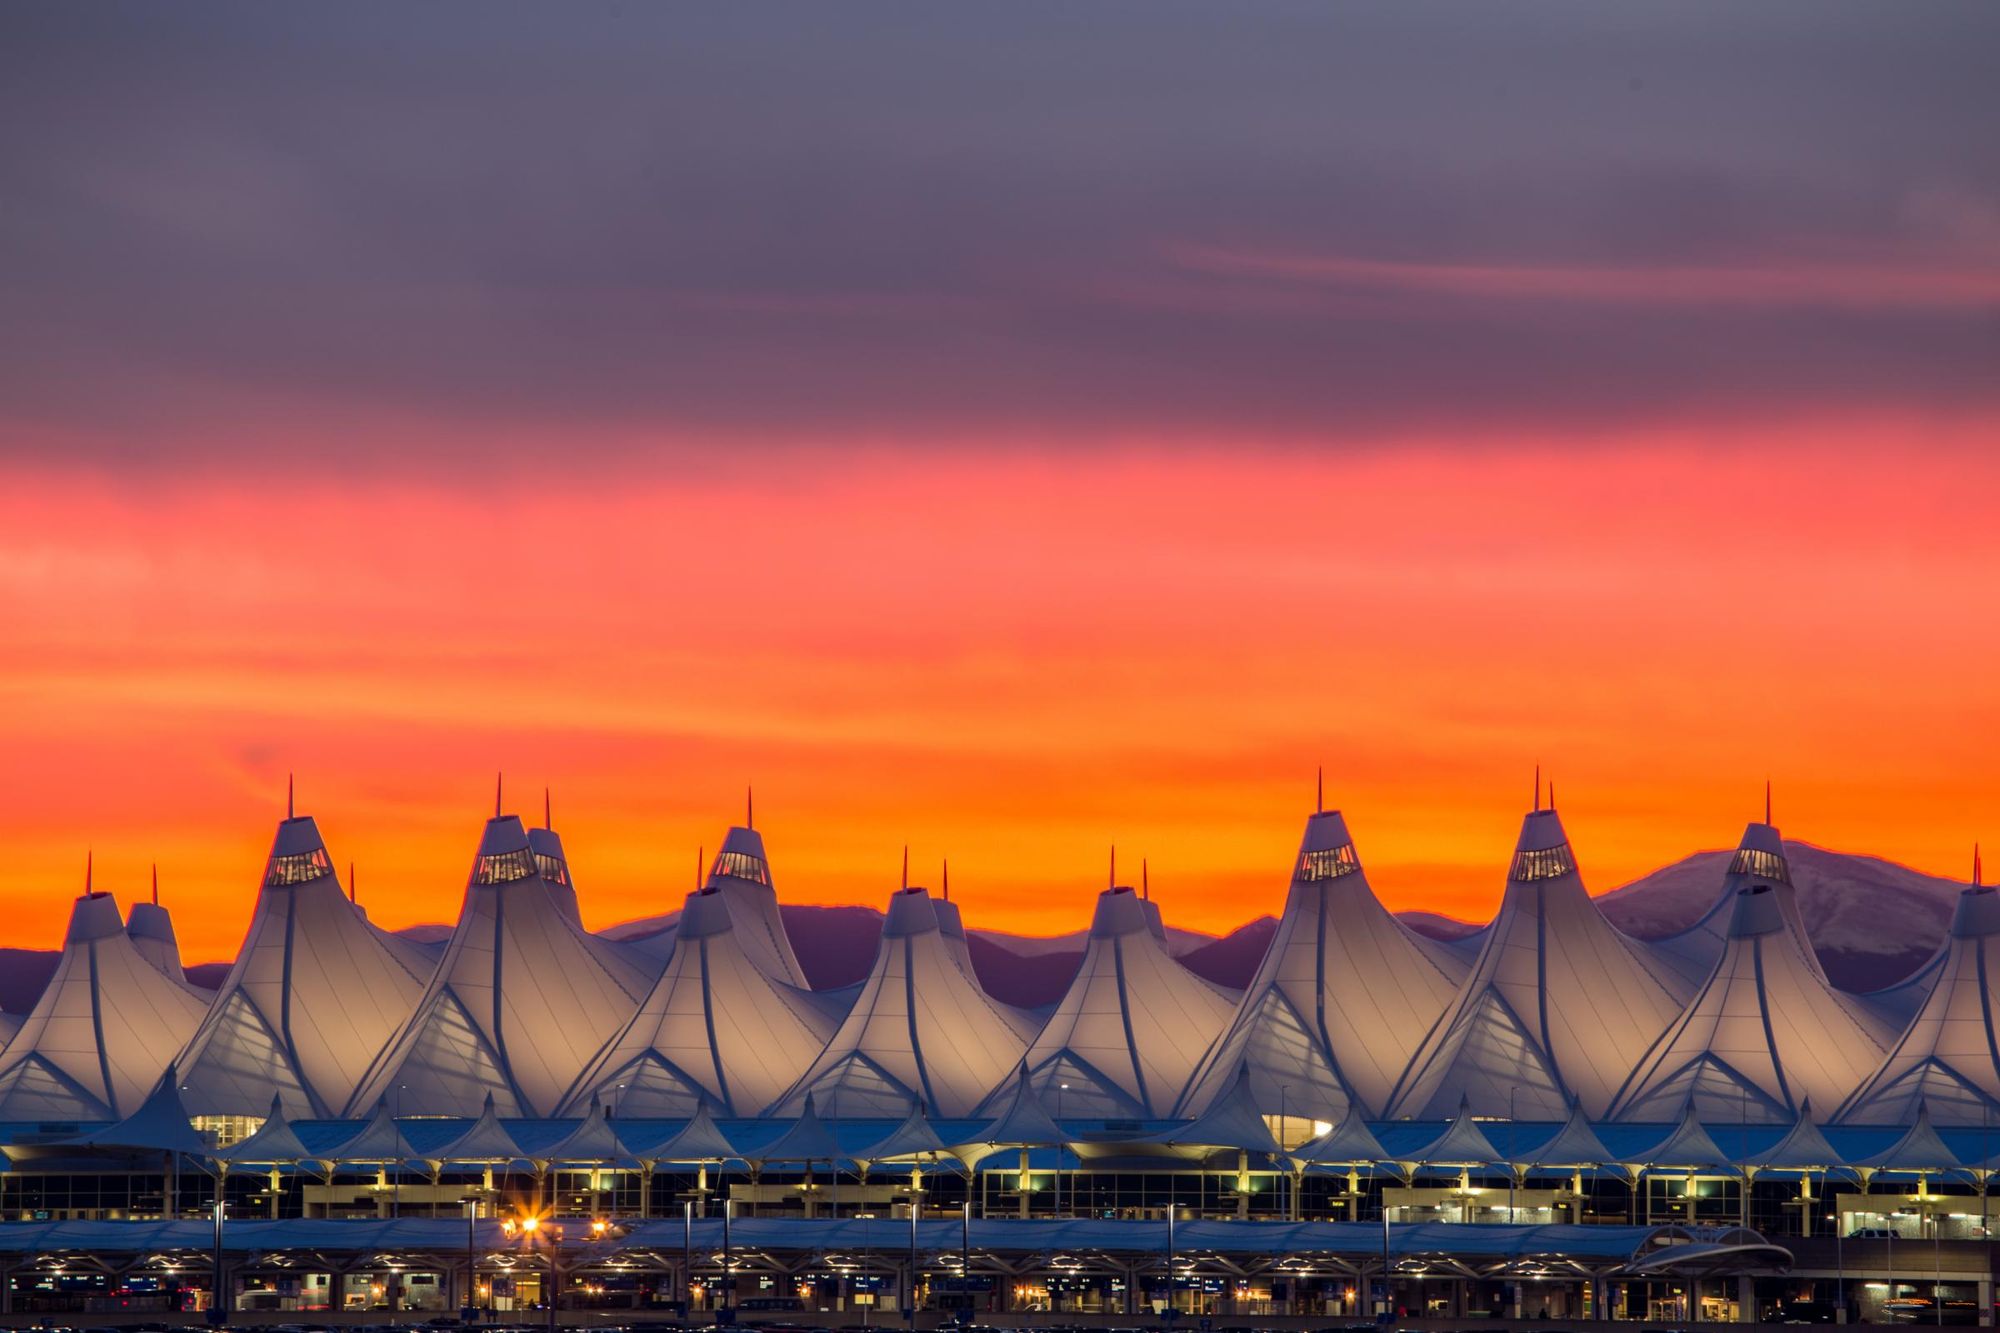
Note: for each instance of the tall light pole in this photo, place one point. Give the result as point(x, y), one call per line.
point(1061, 1088)
point(1840, 1265)
point(218, 1309)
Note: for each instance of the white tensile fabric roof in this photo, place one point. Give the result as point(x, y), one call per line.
point(105, 1026)
point(1342, 999)
point(553, 862)
point(952, 926)
point(1765, 1034)
point(921, 1031)
point(1554, 1007)
point(714, 1028)
point(1759, 858)
point(742, 874)
point(150, 927)
point(1128, 1031)
point(1946, 1058)
point(520, 1002)
point(314, 996)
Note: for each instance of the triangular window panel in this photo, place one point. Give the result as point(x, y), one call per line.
point(656, 1090)
point(453, 1057)
point(1282, 1053)
point(856, 1089)
point(242, 1060)
point(1495, 1063)
point(1720, 1095)
point(1952, 1100)
point(1071, 1089)
point(34, 1089)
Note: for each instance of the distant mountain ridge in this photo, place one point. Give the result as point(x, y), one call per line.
point(1873, 922)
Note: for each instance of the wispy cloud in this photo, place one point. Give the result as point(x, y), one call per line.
point(1777, 282)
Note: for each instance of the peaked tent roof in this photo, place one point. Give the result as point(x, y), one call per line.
point(1232, 1121)
point(1765, 1033)
point(1554, 1007)
point(593, 1140)
point(1463, 1143)
point(520, 1002)
point(1948, 1058)
point(699, 1140)
point(105, 1026)
point(921, 1031)
point(159, 1122)
point(380, 1140)
point(807, 1140)
point(484, 1140)
point(1342, 999)
point(315, 993)
point(1125, 1037)
point(1024, 1122)
point(274, 1141)
point(915, 1137)
point(715, 1027)
point(1575, 1145)
point(1349, 1143)
point(553, 862)
point(1688, 1145)
point(1803, 1147)
point(1919, 1149)
point(741, 872)
point(952, 926)
point(1759, 858)
point(151, 930)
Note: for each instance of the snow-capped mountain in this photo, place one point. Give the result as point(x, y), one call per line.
point(1873, 922)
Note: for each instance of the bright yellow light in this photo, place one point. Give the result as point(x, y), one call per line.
point(531, 1224)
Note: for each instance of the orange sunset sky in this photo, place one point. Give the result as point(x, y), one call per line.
point(1007, 464)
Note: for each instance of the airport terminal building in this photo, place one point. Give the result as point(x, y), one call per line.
point(1547, 1119)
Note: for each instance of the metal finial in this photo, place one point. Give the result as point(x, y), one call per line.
point(545, 809)
point(496, 794)
point(749, 807)
point(1767, 801)
point(1145, 880)
point(156, 883)
point(291, 811)
point(353, 891)
point(906, 865)
point(1538, 788)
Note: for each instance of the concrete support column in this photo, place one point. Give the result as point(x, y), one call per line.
point(1746, 1300)
point(1986, 1302)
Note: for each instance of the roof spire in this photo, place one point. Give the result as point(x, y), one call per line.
point(1114, 867)
point(700, 864)
point(906, 865)
point(353, 893)
point(1767, 801)
point(496, 794)
point(545, 809)
point(947, 879)
point(1975, 865)
point(1552, 794)
point(290, 811)
point(1319, 792)
point(1145, 881)
point(749, 807)
point(156, 883)
point(89, 857)
point(1538, 788)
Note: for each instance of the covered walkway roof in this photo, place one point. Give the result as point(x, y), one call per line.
point(1597, 1250)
